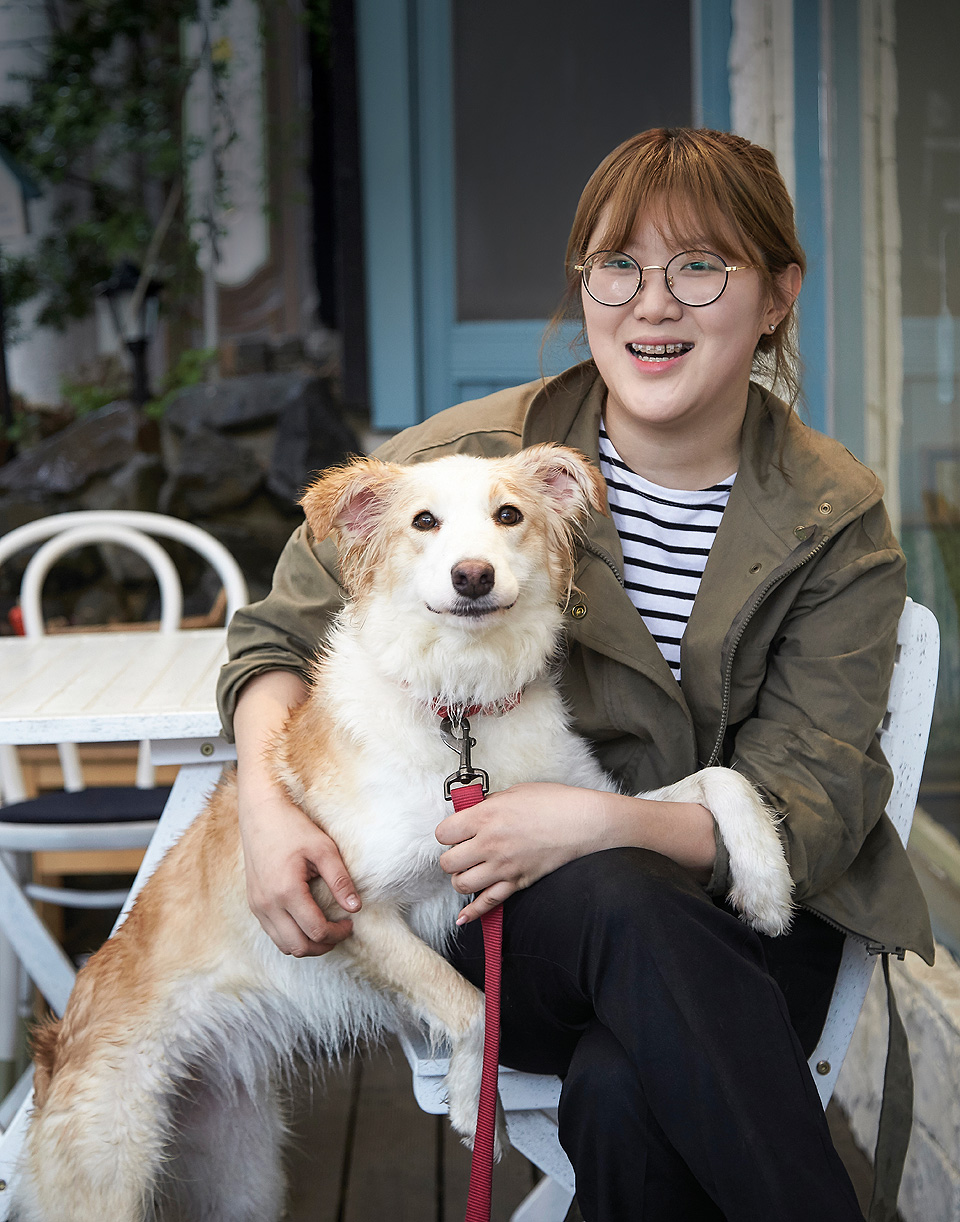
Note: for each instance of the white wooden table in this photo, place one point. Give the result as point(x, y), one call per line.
point(112, 687)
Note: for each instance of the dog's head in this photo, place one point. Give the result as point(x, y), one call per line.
point(460, 544)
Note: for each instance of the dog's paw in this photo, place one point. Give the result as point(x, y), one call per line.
point(761, 888)
point(462, 1085)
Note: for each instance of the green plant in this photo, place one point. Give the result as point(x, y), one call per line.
point(190, 368)
point(101, 120)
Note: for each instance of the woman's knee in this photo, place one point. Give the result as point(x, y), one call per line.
point(601, 1090)
point(622, 884)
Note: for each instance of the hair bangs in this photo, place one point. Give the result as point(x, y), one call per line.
point(689, 202)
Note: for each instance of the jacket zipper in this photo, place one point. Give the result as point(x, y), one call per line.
point(872, 948)
point(595, 551)
point(728, 670)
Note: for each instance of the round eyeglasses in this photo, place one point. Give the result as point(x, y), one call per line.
point(693, 277)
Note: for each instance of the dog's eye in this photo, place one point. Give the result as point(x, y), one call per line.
point(508, 515)
point(425, 521)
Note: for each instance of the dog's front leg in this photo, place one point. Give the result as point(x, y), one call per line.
point(761, 884)
point(391, 956)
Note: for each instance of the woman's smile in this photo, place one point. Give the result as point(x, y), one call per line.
point(673, 370)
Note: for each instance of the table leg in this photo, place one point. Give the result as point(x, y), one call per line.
point(194, 784)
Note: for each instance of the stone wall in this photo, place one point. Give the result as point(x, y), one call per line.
point(231, 456)
point(929, 1002)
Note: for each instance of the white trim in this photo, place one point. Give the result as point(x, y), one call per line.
point(882, 305)
point(761, 78)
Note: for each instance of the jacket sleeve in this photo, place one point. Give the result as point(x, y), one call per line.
point(283, 631)
point(810, 744)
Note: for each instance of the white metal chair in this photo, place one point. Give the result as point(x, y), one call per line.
point(530, 1100)
point(78, 818)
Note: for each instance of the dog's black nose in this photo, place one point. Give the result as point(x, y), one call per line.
point(472, 578)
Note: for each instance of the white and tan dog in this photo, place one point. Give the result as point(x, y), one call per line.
point(159, 1094)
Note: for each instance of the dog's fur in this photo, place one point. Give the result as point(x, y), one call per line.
point(159, 1093)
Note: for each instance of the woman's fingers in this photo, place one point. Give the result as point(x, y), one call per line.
point(486, 901)
point(330, 867)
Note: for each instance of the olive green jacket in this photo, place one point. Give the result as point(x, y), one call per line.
point(786, 659)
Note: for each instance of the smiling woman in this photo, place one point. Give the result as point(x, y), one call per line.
point(738, 609)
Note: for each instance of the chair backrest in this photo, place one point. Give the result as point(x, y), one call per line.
point(154, 524)
point(62, 532)
point(903, 735)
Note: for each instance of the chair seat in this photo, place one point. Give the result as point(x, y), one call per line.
point(107, 804)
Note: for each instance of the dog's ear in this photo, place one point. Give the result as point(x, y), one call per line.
point(568, 477)
point(349, 500)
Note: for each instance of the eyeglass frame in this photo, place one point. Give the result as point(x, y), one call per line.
point(657, 267)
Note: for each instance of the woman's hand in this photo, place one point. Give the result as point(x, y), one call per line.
point(283, 850)
point(520, 834)
point(516, 836)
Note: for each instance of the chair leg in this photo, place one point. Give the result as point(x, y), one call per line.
point(51, 970)
point(548, 1202)
point(9, 1000)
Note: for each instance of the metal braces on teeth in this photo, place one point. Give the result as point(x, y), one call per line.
point(659, 349)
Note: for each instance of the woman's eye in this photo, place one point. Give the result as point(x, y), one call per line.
point(508, 515)
point(425, 521)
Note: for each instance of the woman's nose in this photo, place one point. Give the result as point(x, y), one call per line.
point(654, 301)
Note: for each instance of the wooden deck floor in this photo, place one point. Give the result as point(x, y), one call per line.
point(364, 1152)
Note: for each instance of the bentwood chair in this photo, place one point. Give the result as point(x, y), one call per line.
point(77, 818)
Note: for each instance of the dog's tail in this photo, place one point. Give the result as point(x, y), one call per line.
point(43, 1046)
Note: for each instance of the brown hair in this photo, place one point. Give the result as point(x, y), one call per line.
point(701, 188)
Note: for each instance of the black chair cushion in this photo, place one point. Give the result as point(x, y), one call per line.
point(109, 804)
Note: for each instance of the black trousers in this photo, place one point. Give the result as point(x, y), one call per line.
point(681, 1037)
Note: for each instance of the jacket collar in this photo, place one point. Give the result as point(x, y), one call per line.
point(795, 488)
point(601, 615)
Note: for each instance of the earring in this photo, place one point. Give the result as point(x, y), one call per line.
point(773, 326)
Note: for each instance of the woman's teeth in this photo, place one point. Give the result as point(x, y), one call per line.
point(658, 352)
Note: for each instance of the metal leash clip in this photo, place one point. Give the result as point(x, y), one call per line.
point(462, 743)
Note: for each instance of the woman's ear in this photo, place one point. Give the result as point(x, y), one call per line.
point(785, 293)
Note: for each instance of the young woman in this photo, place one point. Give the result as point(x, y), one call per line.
point(740, 608)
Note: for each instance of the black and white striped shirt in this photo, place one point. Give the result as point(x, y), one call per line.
point(666, 535)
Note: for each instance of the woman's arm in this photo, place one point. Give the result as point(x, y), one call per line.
point(283, 850)
point(522, 833)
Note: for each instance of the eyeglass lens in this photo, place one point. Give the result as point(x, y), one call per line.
point(694, 277)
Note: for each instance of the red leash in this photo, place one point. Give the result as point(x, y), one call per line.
point(481, 1167)
point(471, 786)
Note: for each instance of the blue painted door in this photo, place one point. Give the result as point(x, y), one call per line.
point(480, 124)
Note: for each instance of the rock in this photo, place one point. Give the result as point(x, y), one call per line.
point(136, 485)
point(17, 509)
point(213, 474)
point(255, 534)
point(311, 434)
point(253, 401)
point(62, 464)
point(100, 604)
point(246, 402)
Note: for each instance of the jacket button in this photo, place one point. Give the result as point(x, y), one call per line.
point(578, 611)
point(801, 531)
point(755, 568)
point(825, 508)
point(823, 1068)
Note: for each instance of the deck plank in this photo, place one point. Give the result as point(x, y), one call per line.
point(513, 1178)
point(363, 1151)
point(321, 1126)
point(393, 1170)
